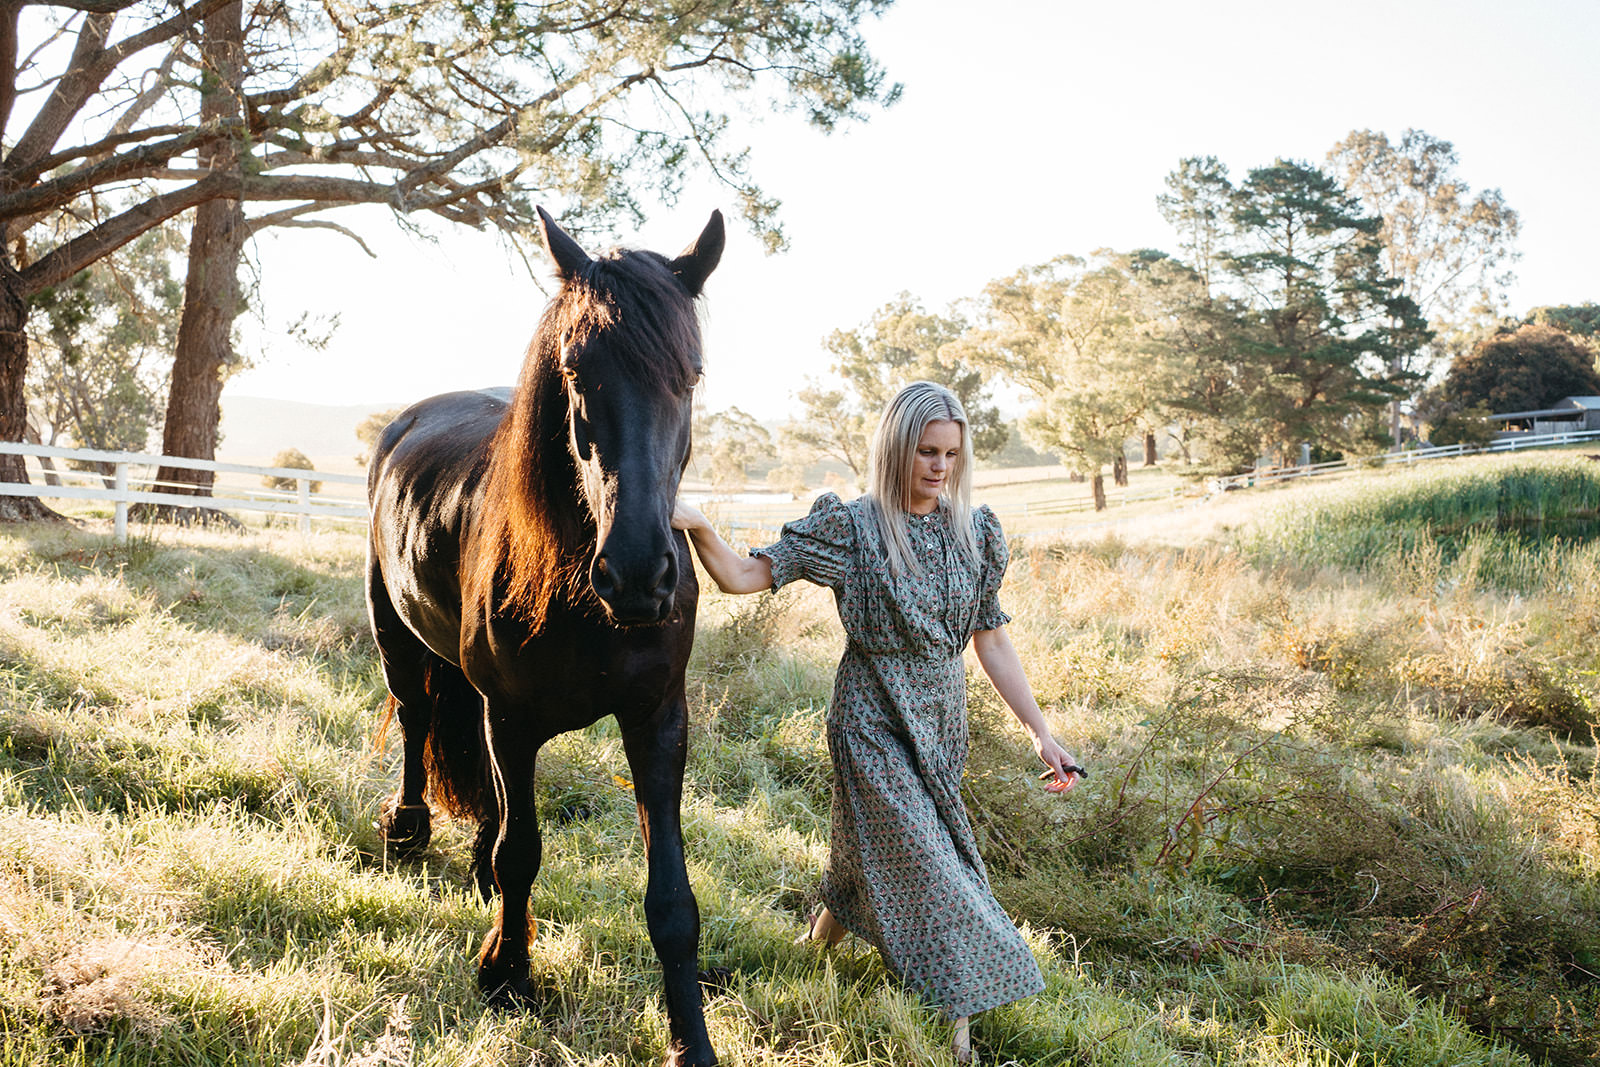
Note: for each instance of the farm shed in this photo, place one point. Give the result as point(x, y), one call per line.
point(1571, 414)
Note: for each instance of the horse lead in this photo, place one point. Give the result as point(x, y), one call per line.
point(523, 580)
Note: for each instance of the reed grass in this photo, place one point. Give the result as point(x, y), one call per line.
point(1343, 811)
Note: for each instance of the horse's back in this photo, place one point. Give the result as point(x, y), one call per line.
point(421, 486)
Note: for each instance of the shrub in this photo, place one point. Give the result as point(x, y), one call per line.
point(293, 459)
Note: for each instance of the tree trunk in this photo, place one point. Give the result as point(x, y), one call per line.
point(13, 397)
point(205, 344)
point(1150, 456)
point(1099, 481)
point(211, 291)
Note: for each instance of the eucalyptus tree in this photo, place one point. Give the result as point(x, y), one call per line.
point(102, 347)
point(465, 110)
point(1092, 342)
point(1451, 249)
point(900, 343)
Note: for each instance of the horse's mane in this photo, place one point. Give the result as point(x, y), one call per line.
point(538, 532)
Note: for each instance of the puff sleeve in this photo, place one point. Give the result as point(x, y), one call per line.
point(993, 555)
point(818, 548)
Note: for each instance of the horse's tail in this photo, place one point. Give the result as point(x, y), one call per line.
point(456, 751)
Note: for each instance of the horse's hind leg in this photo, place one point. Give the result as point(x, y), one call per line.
point(404, 821)
point(656, 751)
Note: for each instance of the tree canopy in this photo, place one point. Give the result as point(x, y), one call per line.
point(462, 109)
point(1089, 341)
point(1527, 369)
point(901, 343)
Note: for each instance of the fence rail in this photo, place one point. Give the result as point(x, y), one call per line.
point(1405, 458)
point(126, 478)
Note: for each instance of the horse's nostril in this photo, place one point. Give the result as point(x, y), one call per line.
point(600, 577)
point(666, 577)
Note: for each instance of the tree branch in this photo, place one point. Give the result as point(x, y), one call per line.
point(141, 162)
point(91, 63)
point(288, 220)
point(67, 259)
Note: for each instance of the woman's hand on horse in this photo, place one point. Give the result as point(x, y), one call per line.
point(688, 518)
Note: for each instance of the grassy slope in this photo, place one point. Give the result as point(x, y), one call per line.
point(1343, 811)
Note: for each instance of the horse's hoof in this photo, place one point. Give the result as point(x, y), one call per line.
point(716, 979)
point(678, 1056)
point(508, 996)
point(406, 828)
point(504, 986)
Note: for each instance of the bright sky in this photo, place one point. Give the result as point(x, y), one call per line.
point(1034, 129)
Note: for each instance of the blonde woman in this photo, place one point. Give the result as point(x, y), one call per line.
point(915, 571)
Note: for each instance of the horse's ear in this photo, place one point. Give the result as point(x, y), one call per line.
point(570, 260)
point(697, 262)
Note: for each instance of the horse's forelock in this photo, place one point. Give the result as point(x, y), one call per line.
point(634, 318)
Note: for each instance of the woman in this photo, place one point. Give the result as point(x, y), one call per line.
point(915, 571)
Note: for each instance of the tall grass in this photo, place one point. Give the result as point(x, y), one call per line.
point(1338, 815)
point(1507, 512)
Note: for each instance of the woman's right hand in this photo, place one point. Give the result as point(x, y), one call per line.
point(685, 517)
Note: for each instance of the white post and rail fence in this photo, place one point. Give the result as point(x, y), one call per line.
point(123, 479)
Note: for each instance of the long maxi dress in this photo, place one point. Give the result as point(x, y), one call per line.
point(903, 871)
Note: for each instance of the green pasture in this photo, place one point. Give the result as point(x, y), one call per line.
point(1344, 808)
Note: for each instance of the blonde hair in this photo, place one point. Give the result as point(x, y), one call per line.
point(893, 459)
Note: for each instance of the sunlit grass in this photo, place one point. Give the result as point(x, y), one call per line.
point(1338, 814)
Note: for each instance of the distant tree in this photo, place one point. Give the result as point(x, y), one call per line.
point(831, 426)
point(1450, 249)
point(726, 444)
point(1198, 205)
point(1088, 339)
point(1018, 453)
point(369, 429)
point(1469, 426)
point(1318, 326)
point(901, 343)
point(102, 347)
point(1579, 321)
point(294, 459)
point(1527, 369)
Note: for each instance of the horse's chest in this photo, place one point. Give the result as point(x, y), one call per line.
point(581, 674)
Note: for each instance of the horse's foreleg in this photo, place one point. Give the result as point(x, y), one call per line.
point(503, 962)
point(656, 750)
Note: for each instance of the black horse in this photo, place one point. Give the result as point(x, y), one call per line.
point(524, 580)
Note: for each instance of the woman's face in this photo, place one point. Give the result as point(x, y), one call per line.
point(937, 451)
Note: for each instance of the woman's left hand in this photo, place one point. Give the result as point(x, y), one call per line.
point(1063, 768)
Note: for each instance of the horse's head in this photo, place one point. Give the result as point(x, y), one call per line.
point(626, 341)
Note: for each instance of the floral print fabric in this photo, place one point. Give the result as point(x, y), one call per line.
point(903, 871)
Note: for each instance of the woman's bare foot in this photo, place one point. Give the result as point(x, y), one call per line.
point(961, 1043)
point(823, 927)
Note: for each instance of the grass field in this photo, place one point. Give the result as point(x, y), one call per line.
point(1344, 811)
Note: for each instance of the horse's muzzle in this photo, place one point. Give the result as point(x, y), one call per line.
point(640, 595)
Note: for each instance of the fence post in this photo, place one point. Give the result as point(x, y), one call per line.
point(119, 532)
point(304, 486)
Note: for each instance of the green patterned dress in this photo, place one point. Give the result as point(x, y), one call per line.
point(903, 871)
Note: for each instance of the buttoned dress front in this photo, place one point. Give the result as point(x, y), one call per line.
point(904, 872)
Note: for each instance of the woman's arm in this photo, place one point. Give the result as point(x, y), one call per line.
point(732, 572)
point(998, 658)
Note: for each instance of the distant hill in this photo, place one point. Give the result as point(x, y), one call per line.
point(255, 429)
